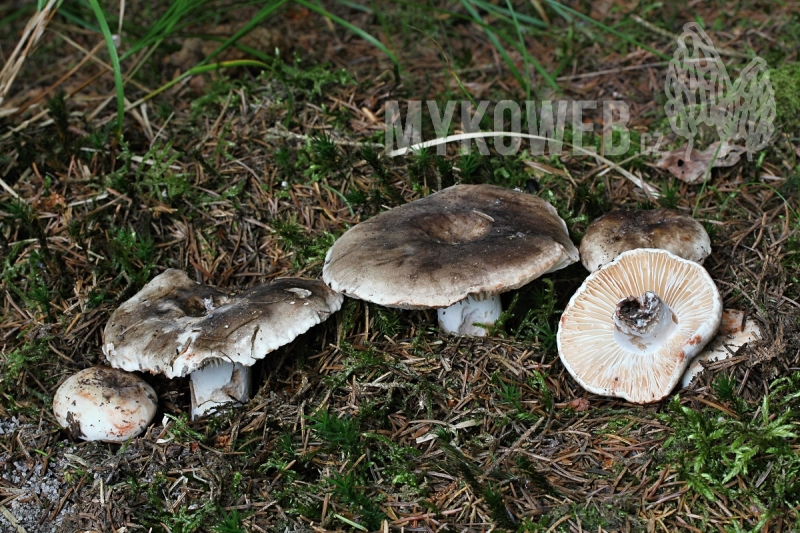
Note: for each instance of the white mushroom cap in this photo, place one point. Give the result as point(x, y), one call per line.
point(478, 240)
point(176, 326)
point(106, 404)
point(640, 367)
point(619, 231)
point(734, 332)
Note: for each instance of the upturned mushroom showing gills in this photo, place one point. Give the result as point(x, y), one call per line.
point(455, 251)
point(620, 231)
point(105, 404)
point(177, 326)
point(634, 325)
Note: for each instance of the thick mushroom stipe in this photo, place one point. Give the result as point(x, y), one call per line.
point(643, 324)
point(218, 384)
point(462, 316)
point(644, 364)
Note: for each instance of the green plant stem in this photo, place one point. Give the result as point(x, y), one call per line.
point(112, 52)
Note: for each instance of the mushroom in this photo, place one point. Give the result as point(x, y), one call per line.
point(734, 332)
point(455, 250)
point(178, 327)
point(633, 326)
point(619, 231)
point(107, 404)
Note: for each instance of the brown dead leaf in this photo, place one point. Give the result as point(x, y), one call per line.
point(692, 169)
point(580, 405)
point(222, 441)
point(732, 322)
point(51, 202)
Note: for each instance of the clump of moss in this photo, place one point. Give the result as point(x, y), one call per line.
point(786, 84)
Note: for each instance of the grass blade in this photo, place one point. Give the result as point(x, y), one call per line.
point(496, 42)
point(520, 47)
point(262, 14)
point(350, 522)
point(522, 44)
point(358, 31)
point(563, 10)
point(112, 52)
point(203, 66)
point(510, 14)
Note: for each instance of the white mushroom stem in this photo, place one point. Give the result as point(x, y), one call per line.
point(643, 324)
point(218, 384)
point(460, 317)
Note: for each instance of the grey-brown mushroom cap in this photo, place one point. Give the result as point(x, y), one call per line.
point(175, 325)
point(465, 240)
point(106, 404)
point(665, 229)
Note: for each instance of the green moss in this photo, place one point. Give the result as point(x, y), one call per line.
point(756, 448)
point(786, 83)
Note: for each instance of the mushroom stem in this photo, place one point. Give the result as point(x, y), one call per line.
point(643, 324)
point(218, 384)
point(460, 317)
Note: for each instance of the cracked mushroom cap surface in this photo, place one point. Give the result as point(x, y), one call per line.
point(105, 404)
point(620, 231)
point(175, 325)
point(478, 240)
point(588, 342)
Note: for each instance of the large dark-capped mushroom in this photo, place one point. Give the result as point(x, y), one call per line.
point(455, 251)
point(178, 327)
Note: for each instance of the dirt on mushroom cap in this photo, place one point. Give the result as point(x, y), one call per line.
point(102, 403)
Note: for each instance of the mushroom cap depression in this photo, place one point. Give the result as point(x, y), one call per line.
point(619, 231)
point(587, 337)
point(175, 325)
point(107, 404)
point(465, 240)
